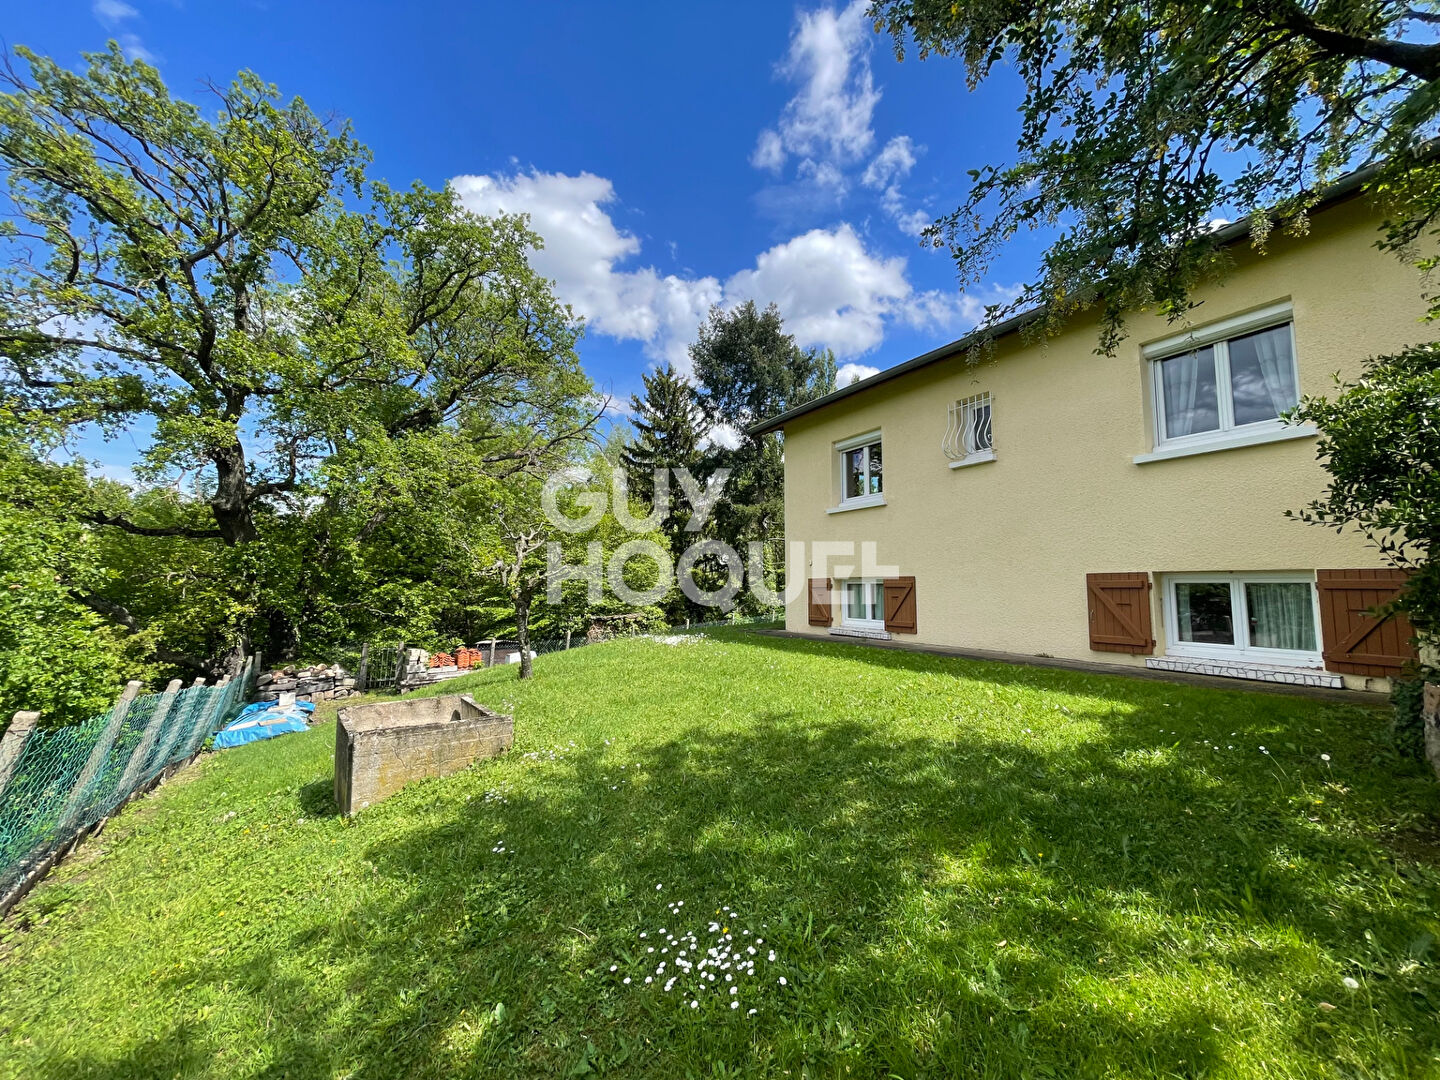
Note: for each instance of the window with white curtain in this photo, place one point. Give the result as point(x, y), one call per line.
point(1220, 383)
point(1249, 617)
point(861, 604)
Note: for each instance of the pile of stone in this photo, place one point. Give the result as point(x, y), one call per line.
point(322, 682)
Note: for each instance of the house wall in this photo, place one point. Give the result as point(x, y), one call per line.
point(1000, 550)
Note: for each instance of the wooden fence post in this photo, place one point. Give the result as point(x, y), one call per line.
point(364, 672)
point(491, 661)
point(177, 735)
point(219, 699)
point(567, 640)
point(93, 764)
point(12, 744)
point(207, 716)
point(400, 656)
point(147, 742)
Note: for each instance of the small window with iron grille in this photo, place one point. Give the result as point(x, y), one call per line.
point(968, 439)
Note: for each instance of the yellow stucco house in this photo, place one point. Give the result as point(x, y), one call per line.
point(1049, 501)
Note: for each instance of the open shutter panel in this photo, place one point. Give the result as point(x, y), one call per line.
point(900, 605)
point(819, 601)
point(1120, 613)
point(1355, 641)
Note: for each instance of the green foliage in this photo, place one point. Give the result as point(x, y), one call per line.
point(1380, 443)
point(1142, 120)
point(670, 426)
point(57, 655)
point(322, 358)
point(1407, 703)
point(748, 369)
point(965, 869)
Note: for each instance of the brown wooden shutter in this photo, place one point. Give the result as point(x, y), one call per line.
point(1355, 641)
point(1120, 613)
point(819, 601)
point(900, 605)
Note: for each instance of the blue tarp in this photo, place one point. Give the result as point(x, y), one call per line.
point(263, 720)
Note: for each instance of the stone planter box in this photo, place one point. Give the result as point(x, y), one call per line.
point(381, 748)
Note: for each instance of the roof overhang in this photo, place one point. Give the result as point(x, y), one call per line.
point(1341, 190)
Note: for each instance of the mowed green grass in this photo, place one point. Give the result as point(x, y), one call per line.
point(964, 869)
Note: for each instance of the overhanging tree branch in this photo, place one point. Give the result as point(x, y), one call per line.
point(124, 524)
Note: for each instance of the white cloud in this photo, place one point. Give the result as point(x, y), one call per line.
point(721, 435)
point(891, 164)
point(830, 290)
point(827, 126)
point(114, 13)
point(913, 222)
point(829, 57)
point(769, 151)
point(135, 49)
point(583, 253)
point(111, 12)
point(953, 312)
point(884, 173)
point(853, 373)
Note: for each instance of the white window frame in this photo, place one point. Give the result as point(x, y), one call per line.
point(858, 502)
point(874, 593)
point(958, 444)
point(1229, 434)
point(1242, 651)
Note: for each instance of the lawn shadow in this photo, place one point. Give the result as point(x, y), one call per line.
point(317, 798)
point(953, 904)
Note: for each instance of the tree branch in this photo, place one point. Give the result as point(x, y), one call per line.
point(126, 525)
point(112, 611)
point(1420, 60)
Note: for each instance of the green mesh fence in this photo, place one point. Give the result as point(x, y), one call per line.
point(67, 779)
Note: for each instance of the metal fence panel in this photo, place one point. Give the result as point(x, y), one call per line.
point(64, 780)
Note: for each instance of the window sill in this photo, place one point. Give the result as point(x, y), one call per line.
point(974, 459)
point(862, 503)
point(879, 633)
point(1229, 440)
point(1247, 669)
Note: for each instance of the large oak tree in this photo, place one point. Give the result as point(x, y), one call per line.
point(223, 284)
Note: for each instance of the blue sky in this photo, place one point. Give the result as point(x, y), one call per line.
point(673, 156)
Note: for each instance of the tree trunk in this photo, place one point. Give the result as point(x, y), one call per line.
point(231, 501)
point(522, 632)
point(1430, 718)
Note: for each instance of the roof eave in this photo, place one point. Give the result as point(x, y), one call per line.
point(1342, 189)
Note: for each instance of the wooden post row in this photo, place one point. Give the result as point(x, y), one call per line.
point(98, 753)
point(12, 744)
point(132, 775)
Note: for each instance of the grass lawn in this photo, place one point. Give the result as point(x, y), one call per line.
point(962, 869)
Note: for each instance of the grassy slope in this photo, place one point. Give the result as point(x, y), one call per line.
point(966, 869)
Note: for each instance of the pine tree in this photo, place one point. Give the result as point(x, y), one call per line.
point(669, 423)
point(748, 368)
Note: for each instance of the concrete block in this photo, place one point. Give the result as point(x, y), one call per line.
point(380, 748)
